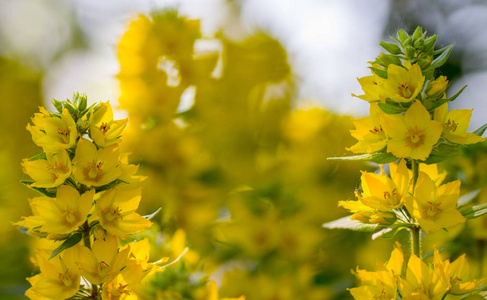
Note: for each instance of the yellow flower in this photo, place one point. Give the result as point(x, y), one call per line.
point(455, 124)
point(94, 167)
point(369, 132)
point(65, 213)
point(433, 207)
point(372, 86)
point(49, 172)
point(381, 284)
point(213, 293)
point(104, 261)
point(382, 192)
point(403, 85)
point(460, 277)
point(423, 283)
point(437, 87)
point(116, 211)
point(118, 289)
point(412, 135)
point(103, 129)
point(52, 132)
point(59, 278)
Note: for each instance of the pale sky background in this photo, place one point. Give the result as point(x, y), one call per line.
point(328, 42)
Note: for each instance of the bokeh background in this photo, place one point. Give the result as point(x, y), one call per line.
point(234, 107)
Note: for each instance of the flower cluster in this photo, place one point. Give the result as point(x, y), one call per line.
point(411, 129)
point(88, 207)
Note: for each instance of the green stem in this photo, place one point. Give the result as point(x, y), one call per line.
point(416, 241)
point(415, 230)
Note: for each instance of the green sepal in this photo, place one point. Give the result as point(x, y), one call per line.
point(390, 59)
point(441, 59)
point(377, 157)
point(38, 157)
point(346, 223)
point(417, 33)
point(58, 105)
point(152, 215)
point(49, 192)
point(402, 35)
point(432, 105)
point(390, 47)
point(467, 198)
point(474, 211)
point(479, 131)
point(441, 152)
point(379, 72)
point(429, 43)
point(68, 243)
point(391, 107)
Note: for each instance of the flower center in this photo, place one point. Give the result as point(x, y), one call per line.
point(450, 125)
point(414, 138)
point(93, 171)
point(432, 209)
point(70, 217)
point(66, 278)
point(392, 197)
point(111, 214)
point(104, 127)
point(405, 90)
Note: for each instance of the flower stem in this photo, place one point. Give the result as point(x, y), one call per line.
point(415, 230)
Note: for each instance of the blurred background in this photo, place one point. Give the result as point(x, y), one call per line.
point(234, 107)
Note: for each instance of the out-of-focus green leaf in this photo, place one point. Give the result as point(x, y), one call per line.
point(474, 211)
point(467, 198)
point(379, 158)
point(346, 223)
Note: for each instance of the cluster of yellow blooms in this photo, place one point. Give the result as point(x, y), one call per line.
point(90, 197)
point(409, 121)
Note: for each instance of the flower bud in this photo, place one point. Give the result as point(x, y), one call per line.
point(384, 218)
point(362, 216)
point(437, 87)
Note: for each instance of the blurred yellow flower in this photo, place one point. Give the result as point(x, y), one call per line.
point(94, 167)
point(455, 124)
point(369, 132)
point(412, 135)
point(52, 132)
point(403, 85)
point(59, 277)
point(49, 172)
point(433, 207)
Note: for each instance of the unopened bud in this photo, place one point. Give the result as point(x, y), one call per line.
point(383, 218)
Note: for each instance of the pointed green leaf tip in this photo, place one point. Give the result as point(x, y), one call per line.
point(70, 242)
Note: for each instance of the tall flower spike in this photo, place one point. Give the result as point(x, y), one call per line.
point(412, 135)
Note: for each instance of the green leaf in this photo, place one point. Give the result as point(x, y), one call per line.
point(38, 156)
point(379, 72)
point(379, 158)
point(467, 198)
point(391, 107)
point(441, 152)
point(390, 47)
point(49, 192)
point(479, 131)
point(442, 58)
point(474, 211)
point(152, 215)
point(68, 243)
point(58, 105)
point(432, 105)
point(390, 59)
point(346, 223)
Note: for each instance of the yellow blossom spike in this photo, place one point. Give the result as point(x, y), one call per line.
point(369, 132)
point(455, 124)
point(116, 211)
point(94, 167)
point(412, 135)
point(403, 85)
point(433, 207)
point(49, 172)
